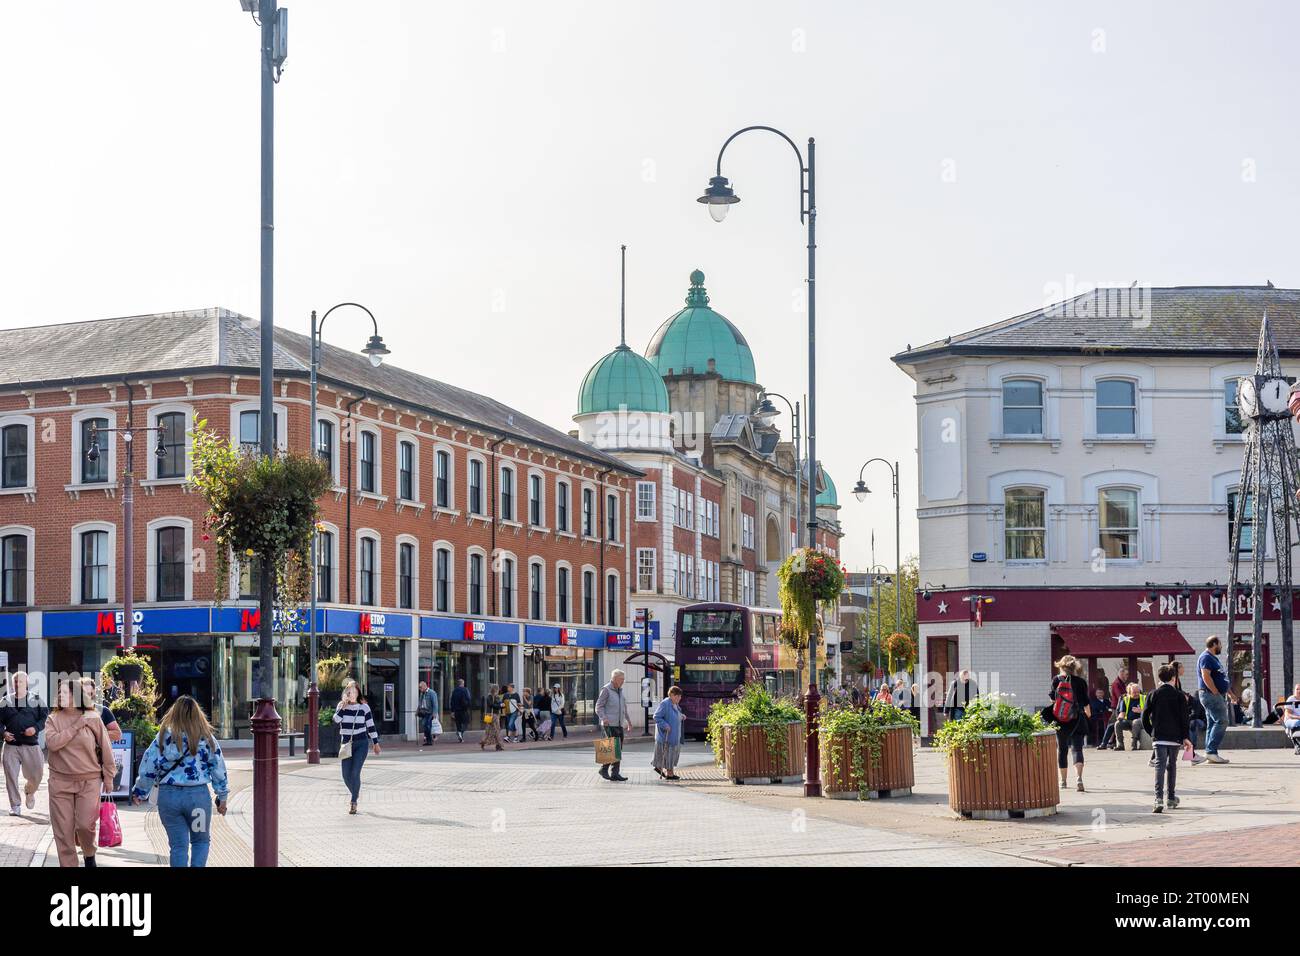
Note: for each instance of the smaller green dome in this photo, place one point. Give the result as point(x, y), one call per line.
point(622, 379)
point(828, 497)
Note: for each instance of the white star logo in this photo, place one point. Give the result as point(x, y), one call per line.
point(1144, 606)
point(1277, 605)
point(943, 607)
point(1122, 639)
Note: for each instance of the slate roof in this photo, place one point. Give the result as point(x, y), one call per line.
point(219, 340)
point(1207, 320)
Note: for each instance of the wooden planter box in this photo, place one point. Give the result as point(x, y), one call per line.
point(892, 775)
point(1008, 780)
point(748, 758)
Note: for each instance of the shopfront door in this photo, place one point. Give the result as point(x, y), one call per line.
point(941, 662)
point(384, 686)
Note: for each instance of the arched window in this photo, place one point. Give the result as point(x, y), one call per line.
point(93, 432)
point(562, 593)
point(406, 575)
point(442, 479)
point(442, 579)
point(561, 506)
point(1026, 524)
point(368, 571)
point(13, 570)
point(476, 583)
point(611, 517)
point(535, 500)
point(325, 564)
point(1022, 406)
point(475, 486)
point(368, 459)
point(1247, 543)
point(507, 494)
point(170, 584)
point(406, 470)
point(1116, 406)
point(1117, 509)
point(588, 597)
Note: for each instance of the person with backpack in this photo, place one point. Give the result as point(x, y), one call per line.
point(1167, 720)
point(1070, 711)
point(183, 761)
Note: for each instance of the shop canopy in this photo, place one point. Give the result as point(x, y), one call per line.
point(1122, 640)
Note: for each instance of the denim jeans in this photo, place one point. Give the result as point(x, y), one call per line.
point(1196, 727)
point(558, 721)
point(426, 727)
point(1166, 766)
point(352, 766)
point(1216, 712)
point(186, 815)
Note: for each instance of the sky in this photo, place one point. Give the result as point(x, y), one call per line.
point(468, 170)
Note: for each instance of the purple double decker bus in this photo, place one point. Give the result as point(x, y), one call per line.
point(723, 646)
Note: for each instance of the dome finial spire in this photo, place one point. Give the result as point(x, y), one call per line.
point(622, 298)
point(696, 296)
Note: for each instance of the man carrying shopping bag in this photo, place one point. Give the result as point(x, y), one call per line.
point(612, 712)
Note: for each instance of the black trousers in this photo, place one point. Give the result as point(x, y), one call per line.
point(1065, 741)
point(617, 734)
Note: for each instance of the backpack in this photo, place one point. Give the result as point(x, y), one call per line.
point(1065, 709)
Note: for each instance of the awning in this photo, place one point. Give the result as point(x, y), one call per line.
point(1122, 640)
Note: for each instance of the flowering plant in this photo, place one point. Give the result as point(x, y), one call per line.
point(259, 507)
point(809, 579)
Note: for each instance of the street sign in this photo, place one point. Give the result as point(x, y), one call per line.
point(647, 692)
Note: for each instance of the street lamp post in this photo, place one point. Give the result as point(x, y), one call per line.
point(265, 722)
point(720, 197)
point(876, 580)
point(765, 412)
point(376, 349)
point(860, 491)
point(128, 508)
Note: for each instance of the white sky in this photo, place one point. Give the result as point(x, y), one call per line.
point(469, 169)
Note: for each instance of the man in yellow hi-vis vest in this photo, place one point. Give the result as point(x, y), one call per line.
point(1128, 716)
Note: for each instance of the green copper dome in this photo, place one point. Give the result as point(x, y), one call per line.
point(827, 498)
point(696, 334)
point(622, 379)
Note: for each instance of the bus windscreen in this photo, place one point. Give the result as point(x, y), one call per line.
point(711, 628)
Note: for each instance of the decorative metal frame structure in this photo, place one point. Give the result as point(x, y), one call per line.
point(1270, 477)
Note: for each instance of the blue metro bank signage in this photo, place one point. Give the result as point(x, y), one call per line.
point(172, 620)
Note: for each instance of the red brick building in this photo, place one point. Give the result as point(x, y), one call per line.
point(462, 539)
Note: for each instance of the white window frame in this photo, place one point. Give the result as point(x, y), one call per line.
point(502, 469)
point(1137, 519)
point(414, 441)
point(537, 562)
point(151, 555)
point(74, 591)
point(617, 619)
point(567, 594)
point(30, 534)
point(30, 423)
point(487, 580)
point(646, 500)
point(541, 499)
point(378, 490)
point(596, 598)
point(1041, 406)
point(441, 449)
point(564, 494)
point(1045, 529)
point(593, 532)
point(485, 489)
point(280, 414)
point(336, 454)
point(334, 559)
point(107, 449)
point(499, 582)
point(444, 545)
point(156, 412)
point(642, 565)
point(611, 516)
point(375, 536)
point(414, 542)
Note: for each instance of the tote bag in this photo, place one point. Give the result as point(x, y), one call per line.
point(110, 827)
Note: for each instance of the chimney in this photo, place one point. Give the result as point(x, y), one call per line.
point(573, 433)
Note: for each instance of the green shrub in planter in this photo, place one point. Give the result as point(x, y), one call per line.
point(755, 707)
point(988, 714)
point(864, 729)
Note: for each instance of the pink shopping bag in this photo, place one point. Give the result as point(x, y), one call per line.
point(110, 828)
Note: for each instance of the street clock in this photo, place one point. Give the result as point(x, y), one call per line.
point(1261, 395)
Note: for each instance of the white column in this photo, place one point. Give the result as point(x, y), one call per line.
point(411, 685)
point(38, 657)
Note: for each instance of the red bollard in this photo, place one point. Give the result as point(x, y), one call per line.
point(812, 785)
point(266, 783)
point(313, 724)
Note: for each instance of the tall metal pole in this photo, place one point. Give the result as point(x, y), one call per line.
point(266, 721)
point(898, 557)
point(313, 692)
point(812, 783)
point(798, 474)
point(128, 529)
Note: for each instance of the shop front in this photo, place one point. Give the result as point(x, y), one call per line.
point(1009, 638)
point(13, 647)
point(478, 652)
point(565, 656)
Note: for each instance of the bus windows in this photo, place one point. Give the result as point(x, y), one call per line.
point(711, 674)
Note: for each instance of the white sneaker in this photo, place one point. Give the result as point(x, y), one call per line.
point(15, 811)
point(1198, 760)
point(1215, 758)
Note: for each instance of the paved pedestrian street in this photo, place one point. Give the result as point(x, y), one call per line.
point(472, 808)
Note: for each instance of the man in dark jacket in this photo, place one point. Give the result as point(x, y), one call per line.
point(1167, 720)
point(459, 704)
point(22, 718)
point(961, 692)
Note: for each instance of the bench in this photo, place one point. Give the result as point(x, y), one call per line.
point(290, 737)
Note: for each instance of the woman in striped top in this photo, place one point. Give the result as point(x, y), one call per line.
point(356, 723)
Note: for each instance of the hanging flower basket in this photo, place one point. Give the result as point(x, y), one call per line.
point(809, 580)
point(259, 507)
point(900, 649)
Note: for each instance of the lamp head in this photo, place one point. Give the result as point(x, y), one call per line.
point(160, 450)
point(860, 490)
point(376, 349)
point(719, 197)
point(766, 411)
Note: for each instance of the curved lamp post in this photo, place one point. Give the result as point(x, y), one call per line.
point(720, 197)
point(860, 491)
point(876, 579)
point(376, 349)
point(765, 413)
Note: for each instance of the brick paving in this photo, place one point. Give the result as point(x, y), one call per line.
point(462, 806)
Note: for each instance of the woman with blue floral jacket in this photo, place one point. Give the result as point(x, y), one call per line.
point(183, 761)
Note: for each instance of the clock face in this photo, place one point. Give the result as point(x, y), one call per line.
point(1247, 401)
point(1273, 395)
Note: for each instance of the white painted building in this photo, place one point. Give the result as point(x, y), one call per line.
point(1077, 465)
